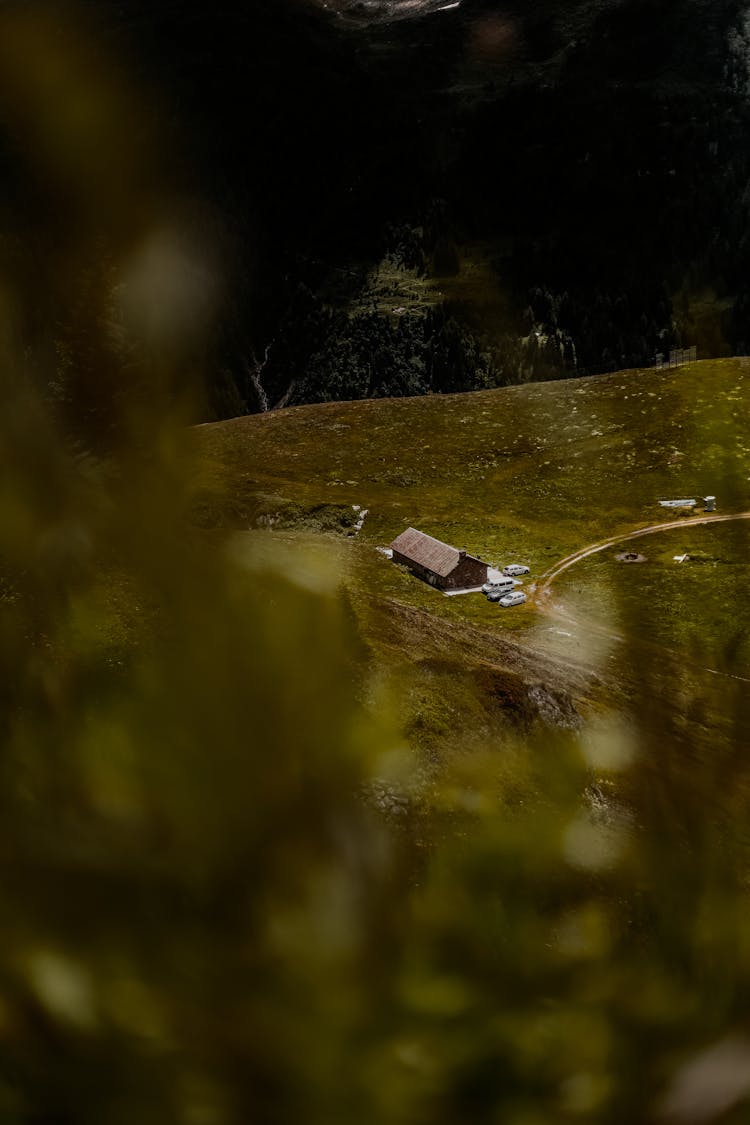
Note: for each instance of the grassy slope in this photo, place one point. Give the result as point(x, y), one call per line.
point(527, 473)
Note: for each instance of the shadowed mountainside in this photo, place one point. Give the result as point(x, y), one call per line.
point(480, 196)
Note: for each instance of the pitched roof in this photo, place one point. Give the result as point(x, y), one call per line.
point(420, 548)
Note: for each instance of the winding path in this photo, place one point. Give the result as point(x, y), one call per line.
point(541, 591)
point(543, 587)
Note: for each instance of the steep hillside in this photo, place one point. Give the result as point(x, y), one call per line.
point(540, 469)
point(528, 473)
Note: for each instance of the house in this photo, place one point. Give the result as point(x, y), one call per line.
point(442, 566)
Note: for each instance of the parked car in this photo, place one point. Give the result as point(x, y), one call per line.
point(499, 592)
point(515, 569)
point(504, 584)
point(512, 599)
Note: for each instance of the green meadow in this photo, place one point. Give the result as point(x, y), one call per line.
point(529, 474)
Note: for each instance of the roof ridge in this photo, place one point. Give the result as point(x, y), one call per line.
point(427, 551)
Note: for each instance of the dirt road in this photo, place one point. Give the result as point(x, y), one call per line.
point(543, 586)
point(541, 591)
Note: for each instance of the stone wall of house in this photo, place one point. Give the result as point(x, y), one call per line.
point(422, 572)
point(469, 572)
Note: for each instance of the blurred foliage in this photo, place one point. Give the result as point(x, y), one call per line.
point(206, 916)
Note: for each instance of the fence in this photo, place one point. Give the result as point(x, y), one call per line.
point(677, 357)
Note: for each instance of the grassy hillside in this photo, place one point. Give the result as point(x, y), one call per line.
point(528, 473)
point(538, 469)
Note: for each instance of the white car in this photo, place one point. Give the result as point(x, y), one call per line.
point(515, 569)
point(512, 599)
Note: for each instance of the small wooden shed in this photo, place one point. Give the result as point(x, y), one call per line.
point(442, 566)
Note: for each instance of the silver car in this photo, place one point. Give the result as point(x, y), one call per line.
point(515, 598)
point(515, 569)
point(498, 593)
point(504, 586)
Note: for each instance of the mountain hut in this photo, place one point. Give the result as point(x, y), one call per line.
point(444, 567)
